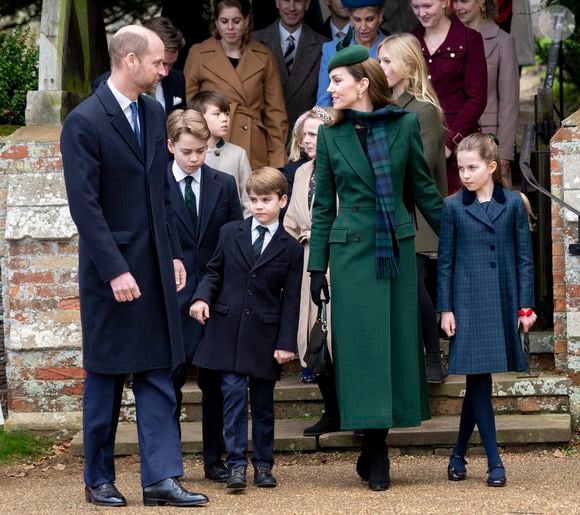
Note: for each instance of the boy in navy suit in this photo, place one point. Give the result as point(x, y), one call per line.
point(252, 290)
point(203, 200)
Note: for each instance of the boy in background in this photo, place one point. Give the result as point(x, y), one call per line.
point(204, 200)
point(252, 290)
point(223, 155)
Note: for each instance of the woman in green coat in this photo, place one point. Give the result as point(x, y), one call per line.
point(370, 174)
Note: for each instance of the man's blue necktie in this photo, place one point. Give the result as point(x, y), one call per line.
point(135, 120)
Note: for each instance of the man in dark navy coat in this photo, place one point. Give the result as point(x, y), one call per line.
point(115, 156)
point(216, 200)
point(169, 91)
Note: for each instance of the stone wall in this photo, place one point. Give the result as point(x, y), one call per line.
point(565, 173)
point(40, 294)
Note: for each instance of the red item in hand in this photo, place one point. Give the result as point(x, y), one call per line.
point(525, 312)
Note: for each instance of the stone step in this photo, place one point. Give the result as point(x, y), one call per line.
point(547, 393)
point(512, 431)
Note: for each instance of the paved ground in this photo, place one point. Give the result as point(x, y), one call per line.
point(538, 482)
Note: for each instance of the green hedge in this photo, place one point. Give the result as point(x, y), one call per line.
point(18, 74)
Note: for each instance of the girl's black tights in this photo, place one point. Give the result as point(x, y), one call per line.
point(478, 409)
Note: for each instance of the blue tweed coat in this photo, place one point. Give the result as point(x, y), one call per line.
point(486, 274)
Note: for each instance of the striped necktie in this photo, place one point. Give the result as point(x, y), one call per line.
point(190, 202)
point(290, 53)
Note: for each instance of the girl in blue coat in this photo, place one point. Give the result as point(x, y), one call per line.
point(485, 291)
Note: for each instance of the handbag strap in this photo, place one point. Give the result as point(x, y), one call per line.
point(321, 315)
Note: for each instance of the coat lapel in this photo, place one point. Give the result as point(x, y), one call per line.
point(274, 248)
point(148, 122)
point(219, 65)
point(210, 189)
point(244, 241)
point(119, 120)
point(489, 33)
point(178, 202)
point(307, 55)
point(494, 210)
point(349, 146)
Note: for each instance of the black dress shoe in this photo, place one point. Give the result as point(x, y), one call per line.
point(169, 492)
point(379, 479)
point(456, 470)
point(217, 471)
point(237, 479)
point(263, 476)
point(105, 495)
point(363, 465)
point(496, 476)
point(326, 424)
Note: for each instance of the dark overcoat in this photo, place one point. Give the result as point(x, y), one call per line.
point(301, 85)
point(218, 204)
point(376, 345)
point(119, 199)
point(254, 304)
point(485, 274)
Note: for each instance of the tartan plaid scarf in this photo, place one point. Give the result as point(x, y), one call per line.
point(387, 247)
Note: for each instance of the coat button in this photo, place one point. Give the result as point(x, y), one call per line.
point(245, 127)
point(250, 292)
point(492, 247)
point(356, 237)
point(253, 275)
point(355, 209)
point(490, 229)
point(430, 60)
point(492, 265)
point(247, 311)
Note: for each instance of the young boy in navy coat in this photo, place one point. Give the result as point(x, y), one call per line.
point(249, 301)
point(203, 200)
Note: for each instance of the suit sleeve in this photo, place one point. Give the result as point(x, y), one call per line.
point(475, 88)
point(176, 250)
point(211, 283)
point(82, 170)
point(324, 208)
point(274, 115)
point(432, 131)
point(508, 91)
point(290, 308)
point(425, 194)
point(524, 257)
point(446, 260)
point(234, 206)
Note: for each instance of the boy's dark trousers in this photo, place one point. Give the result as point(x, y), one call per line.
point(235, 394)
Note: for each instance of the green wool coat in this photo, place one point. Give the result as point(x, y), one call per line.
point(377, 348)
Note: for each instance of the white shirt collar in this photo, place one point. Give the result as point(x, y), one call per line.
point(179, 174)
point(284, 35)
point(124, 102)
point(272, 228)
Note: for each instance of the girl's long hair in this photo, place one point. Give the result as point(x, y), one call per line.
point(408, 62)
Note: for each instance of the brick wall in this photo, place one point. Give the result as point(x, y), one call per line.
point(40, 297)
point(565, 174)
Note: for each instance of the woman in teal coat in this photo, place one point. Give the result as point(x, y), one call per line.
point(371, 173)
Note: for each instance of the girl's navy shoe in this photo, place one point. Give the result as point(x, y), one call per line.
point(307, 376)
point(496, 476)
point(456, 470)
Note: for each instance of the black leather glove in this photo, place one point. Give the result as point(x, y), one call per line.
point(319, 285)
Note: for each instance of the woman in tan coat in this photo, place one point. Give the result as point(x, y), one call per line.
point(298, 222)
point(246, 73)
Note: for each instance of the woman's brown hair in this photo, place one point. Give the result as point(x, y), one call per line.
point(245, 7)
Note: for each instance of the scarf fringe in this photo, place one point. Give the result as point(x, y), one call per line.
point(387, 267)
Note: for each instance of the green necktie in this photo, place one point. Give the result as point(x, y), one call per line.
point(259, 243)
point(190, 202)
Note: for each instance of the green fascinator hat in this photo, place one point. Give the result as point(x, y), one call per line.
point(347, 56)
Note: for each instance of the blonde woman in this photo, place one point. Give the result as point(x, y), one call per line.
point(298, 222)
point(402, 61)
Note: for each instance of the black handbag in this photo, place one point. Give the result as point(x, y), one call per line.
point(317, 356)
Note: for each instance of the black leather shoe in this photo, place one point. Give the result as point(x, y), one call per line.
point(263, 476)
point(435, 371)
point(326, 424)
point(169, 492)
point(456, 470)
point(363, 465)
point(217, 471)
point(496, 476)
point(105, 495)
point(379, 479)
point(237, 479)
